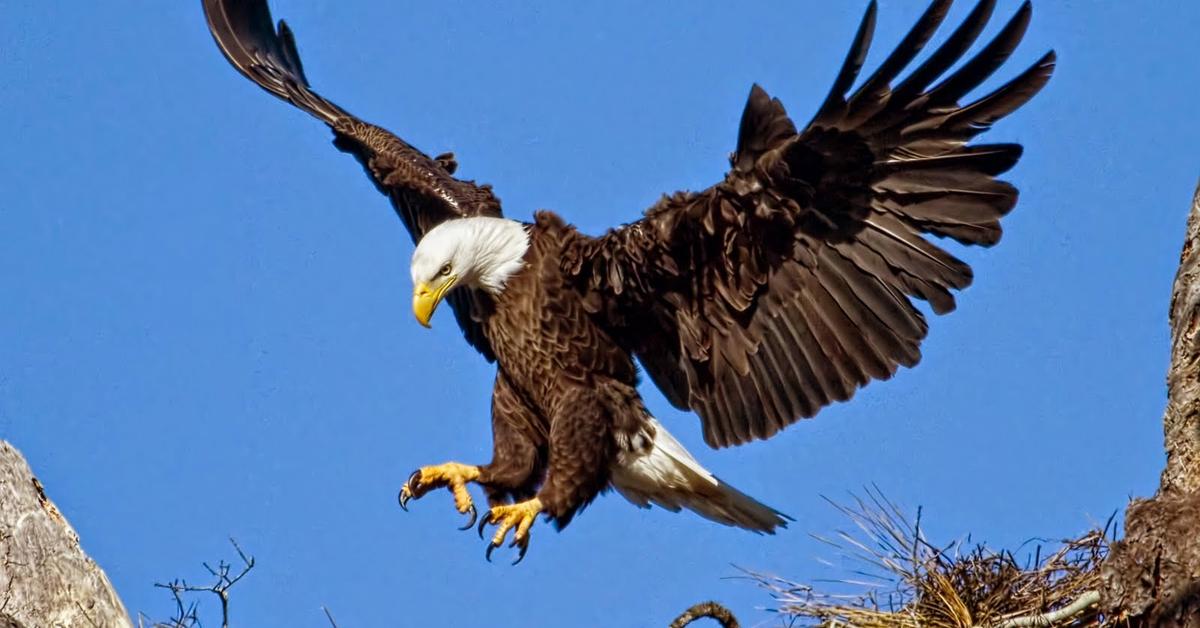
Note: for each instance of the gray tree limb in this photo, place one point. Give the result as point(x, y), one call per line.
point(46, 580)
point(1045, 620)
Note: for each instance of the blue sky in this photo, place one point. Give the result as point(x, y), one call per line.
point(205, 327)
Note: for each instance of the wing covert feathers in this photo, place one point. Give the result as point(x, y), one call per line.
point(789, 285)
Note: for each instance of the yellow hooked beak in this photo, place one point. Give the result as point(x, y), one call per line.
point(426, 297)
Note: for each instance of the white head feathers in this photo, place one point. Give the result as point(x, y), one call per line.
point(482, 252)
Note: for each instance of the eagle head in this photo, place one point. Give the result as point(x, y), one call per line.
point(479, 253)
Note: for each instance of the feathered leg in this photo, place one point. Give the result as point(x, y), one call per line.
point(581, 449)
point(515, 468)
point(518, 447)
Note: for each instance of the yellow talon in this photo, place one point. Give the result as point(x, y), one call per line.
point(452, 475)
point(519, 516)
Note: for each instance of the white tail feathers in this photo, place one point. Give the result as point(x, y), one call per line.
point(668, 476)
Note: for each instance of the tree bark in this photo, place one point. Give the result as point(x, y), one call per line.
point(1153, 574)
point(46, 580)
point(1182, 420)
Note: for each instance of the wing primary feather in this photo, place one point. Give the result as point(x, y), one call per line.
point(958, 274)
point(946, 54)
point(979, 115)
point(836, 100)
point(288, 39)
point(906, 50)
point(927, 183)
point(989, 159)
point(245, 34)
point(983, 64)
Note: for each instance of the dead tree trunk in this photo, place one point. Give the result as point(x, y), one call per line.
point(45, 578)
point(1153, 574)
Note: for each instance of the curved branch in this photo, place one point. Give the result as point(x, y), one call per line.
point(712, 610)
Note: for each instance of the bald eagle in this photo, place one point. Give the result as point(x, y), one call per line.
point(756, 302)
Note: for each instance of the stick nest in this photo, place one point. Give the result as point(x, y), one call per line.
point(910, 583)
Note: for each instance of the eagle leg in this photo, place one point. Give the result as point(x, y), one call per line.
point(518, 517)
point(452, 475)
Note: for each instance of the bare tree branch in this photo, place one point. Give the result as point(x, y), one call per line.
point(711, 610)
point(1045, 620)
point(186, 615)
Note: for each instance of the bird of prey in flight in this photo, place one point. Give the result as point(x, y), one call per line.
point(778, 290)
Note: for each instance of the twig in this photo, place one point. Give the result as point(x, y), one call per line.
point(187, 616)
point(1091, 598)
point(711, 610)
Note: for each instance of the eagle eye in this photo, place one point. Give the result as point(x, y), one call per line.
point(444, 271)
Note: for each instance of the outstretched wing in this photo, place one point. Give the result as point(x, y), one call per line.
point(787, 286)
point(422, 190)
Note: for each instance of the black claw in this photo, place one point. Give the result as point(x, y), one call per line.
point(471, 522)
point(411, 486)
point(491, 548)
point(483, 522)
point(521, 556)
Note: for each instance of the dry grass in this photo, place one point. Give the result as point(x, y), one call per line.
point(906, 581)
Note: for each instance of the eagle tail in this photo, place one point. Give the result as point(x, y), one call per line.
point(667, 476)
point(246, 36)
